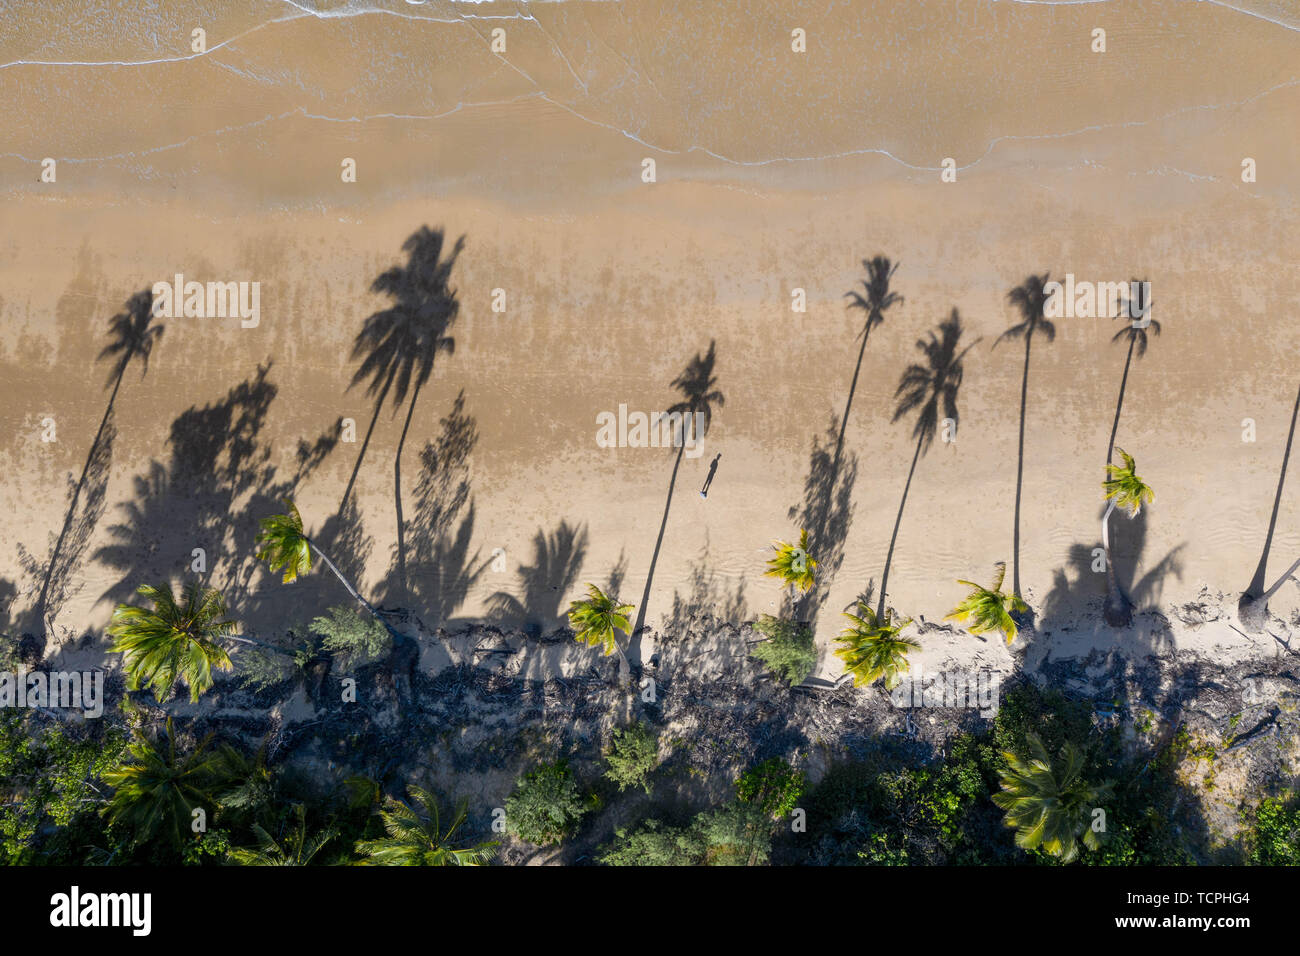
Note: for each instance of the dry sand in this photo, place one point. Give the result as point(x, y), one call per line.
point(775, 170)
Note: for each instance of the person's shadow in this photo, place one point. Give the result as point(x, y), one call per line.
point(713, 470)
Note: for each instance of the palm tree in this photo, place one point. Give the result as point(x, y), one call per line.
point(174, 641)
point(133, 333)
point(699, 396)
point(1137, 337)
point(1124, 489)
point(1050, 805)
point(1252, 609)
point(416, 837)
point(298, 848)
point(792, 564)
point(872, 647)
point(157, 791)
point(926, 387)
point(399, 344)
point(1030, 299)
point(285, 546)
point(596, 619)
point(989, 609)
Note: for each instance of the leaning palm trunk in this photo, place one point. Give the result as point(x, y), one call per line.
point(1119, 405)
point(1252, 609)
point(1116, 611)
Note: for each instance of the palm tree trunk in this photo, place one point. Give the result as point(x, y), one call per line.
point(1111, 583)
point(1256, 587)
point(1123, 382)
point(1020, 470)
point(379, 403)
point(72, 508)
point(396, 635)
point(1282, 580)
point(397, 493)
point(884, 578)
point(654, 559)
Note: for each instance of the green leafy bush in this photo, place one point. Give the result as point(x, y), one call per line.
point(789, 651)
point(773, 785)
point(632, 756)
point(352, 637)
point(545, 805)
point(1274, 840)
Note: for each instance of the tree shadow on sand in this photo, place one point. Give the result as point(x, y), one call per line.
point(557, 561)
point(826, 512)
point(1071, 612)
point(210, 494)
point(710, 599)
point(439, 566)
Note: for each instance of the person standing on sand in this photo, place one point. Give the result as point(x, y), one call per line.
point(713, 467)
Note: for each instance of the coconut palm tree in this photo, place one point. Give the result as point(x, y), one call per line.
point(157, 790)
point(596, 620)
point(989, 609)
point(1124, 489)
point(286, 548)
point(927, 387)
point(1252, 609)
point(699, 396)
point(174, 641)
point(1030, 300)
point(133, 334)
point(297, 849)
point(792, 564)
point(1049, 803)
point(1137, 339)
point(398, 345)
point(872, 648)
point(416, 837)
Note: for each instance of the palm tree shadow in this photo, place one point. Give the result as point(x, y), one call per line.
point(826, 511)
point(1074, 602)
point(557, 562)
point(440, 534)
point(710, 599)
point(397, 347)
point(696, 383)
point(59, 570)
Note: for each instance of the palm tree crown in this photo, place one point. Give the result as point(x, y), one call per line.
point(1124, 486)
point(416, 837)
point(1050, 805)
point(988, 609)
point(696, 383)
point(1136, 333)
point(595, 619)
point(872, 648)
point(284, 545)
point(157, 790)
point(792, 563)
point(174, 641)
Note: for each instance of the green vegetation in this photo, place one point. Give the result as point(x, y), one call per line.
point(989, 609)
point(789, 651)
point(415, 835)
point(1275, 836)
point(545, 805)
point(871, 648)
point(792, 564)
point(773, 786)
point(632, 756)
point(173, 642)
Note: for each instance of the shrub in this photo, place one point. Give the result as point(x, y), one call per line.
point(653, 844)
point(1275, 838)
point(773, 785)
point(354, 638)
point(632, 756)
point(789, 651)
point(545, 805)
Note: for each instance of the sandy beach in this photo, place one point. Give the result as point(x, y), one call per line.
point(774, 171)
